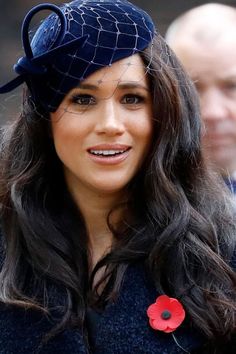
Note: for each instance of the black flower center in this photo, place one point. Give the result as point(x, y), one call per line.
point(166, 315)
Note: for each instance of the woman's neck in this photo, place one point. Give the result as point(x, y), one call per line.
point(95, 209)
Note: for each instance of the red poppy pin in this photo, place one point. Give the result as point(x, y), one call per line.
point(166, 314)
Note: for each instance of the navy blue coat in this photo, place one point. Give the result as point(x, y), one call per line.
point(122, 329)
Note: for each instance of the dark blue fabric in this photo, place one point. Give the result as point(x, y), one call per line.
point(93, 319)
point(123, 327)
point(231, 184)
point(86, 36)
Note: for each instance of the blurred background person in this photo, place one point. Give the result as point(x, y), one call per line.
point(204, 39)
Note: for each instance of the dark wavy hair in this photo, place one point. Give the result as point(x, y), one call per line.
point(182, 225)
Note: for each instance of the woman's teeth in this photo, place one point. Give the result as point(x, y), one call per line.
point(107, 152)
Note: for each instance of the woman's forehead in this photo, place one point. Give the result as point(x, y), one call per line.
point(130, 69)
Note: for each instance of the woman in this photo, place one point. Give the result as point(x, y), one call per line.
point(116, 238)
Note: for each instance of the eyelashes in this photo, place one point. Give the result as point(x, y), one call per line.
point(133, 99)
point(85, 100)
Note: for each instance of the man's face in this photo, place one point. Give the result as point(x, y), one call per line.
point(213, 70)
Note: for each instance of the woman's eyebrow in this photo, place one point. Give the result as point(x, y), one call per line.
point(120, 85)
point(132, 85)
point(85, 86)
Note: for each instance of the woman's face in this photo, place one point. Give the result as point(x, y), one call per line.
point(102, 130)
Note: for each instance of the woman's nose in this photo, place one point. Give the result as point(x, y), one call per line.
point(110, 120)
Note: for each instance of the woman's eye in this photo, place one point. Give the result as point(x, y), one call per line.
point(132, 99)
point(83, 100)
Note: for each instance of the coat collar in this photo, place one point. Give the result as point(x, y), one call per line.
point(124, 327)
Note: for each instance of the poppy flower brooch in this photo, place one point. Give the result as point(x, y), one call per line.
point(166, 314)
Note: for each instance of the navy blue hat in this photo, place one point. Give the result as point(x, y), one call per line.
point(77, 39)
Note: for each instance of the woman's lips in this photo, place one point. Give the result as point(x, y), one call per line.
point(109, 154)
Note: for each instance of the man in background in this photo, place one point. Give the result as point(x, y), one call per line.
point(204, 39)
